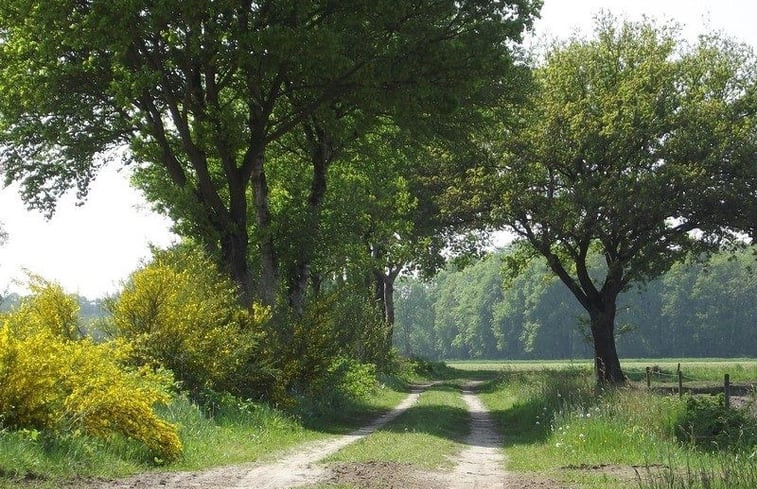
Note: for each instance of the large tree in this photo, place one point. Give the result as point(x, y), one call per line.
point(199, 90)
point(636, 146)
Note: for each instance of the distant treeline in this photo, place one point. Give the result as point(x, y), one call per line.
point(89, 309)
point(704, 309)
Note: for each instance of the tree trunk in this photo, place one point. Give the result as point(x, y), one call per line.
point(298, 285)
point(389, 310)
point(389, 300)
point(269, 277)
point(385, 297)
point(234, 247)
point(606, 363)
point(322, 154)
point(378, 291)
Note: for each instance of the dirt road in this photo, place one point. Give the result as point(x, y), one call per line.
point(296, 467)
point(480, 465)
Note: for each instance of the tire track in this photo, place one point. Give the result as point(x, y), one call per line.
point(481, 464)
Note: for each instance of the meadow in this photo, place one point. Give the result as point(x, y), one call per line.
point(558, 426)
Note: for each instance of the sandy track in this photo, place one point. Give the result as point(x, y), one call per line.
point(481, 464)
point(291, 469)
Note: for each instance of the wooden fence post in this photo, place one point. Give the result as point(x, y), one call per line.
point(649, 378)
point(680, 383)
point(727, 391)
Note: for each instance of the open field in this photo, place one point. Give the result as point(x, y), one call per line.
point(694, 369)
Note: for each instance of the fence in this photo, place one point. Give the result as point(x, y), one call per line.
point(657, 372)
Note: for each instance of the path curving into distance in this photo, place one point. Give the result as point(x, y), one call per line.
point(293, 468)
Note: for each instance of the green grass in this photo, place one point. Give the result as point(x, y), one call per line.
point(236, 432)
point(555, 424)
point(740, 369)
point(695, 370)
point(426, 435)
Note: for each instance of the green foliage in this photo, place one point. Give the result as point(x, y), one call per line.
point(341, 328)
point(699, 308)
point(217, 101)
point(707, 423)
point(632, 140)
point(346, 383)
point(53, 382)
point(181, 313)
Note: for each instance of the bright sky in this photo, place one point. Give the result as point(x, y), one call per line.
point(91, 249)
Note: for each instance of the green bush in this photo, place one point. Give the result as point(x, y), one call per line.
point(180, 312)
point(708, 424)
point(307, 350)
point(345, 382)
point(351, 379)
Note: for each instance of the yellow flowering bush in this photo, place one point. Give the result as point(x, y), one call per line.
point(180, 312)
point(50, 309)
point(50, 381)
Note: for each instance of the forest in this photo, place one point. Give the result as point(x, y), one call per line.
point(699, 308)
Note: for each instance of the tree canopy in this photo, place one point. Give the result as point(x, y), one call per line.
point(199, 91)
point(636, 146)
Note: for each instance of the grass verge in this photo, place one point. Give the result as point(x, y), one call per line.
point(555, 424)
point(236, 431)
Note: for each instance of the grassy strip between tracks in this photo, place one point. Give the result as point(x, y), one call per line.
point(426, 435)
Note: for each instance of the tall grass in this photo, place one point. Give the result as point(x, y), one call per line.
point(232, 431)
point(554, 420)
point(728, 473)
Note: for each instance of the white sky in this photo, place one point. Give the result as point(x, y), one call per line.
point(91, 249)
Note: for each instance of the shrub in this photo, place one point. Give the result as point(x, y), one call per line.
point(339, 328)
point(180, 312)
point(708, 424)
point(351, 379)
point(49, 381)
point(50, 310)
